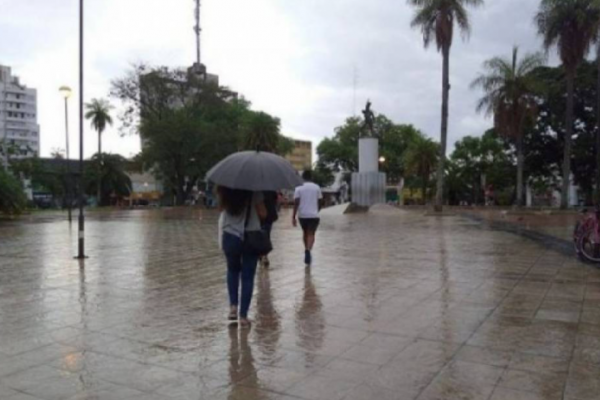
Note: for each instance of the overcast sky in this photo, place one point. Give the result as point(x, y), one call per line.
point(293, 59)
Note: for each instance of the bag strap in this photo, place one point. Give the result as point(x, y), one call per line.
point(248, 209)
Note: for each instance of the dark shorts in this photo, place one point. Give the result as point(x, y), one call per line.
point(309, 224)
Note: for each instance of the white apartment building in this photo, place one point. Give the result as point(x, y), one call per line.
point(18, 116)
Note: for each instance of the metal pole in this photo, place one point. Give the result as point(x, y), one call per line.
point(69, 176)
point(5, 141)
point(198, 31)
point(81, 247)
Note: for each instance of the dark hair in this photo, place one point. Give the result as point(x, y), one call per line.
point(234, 201)
point(307, 175)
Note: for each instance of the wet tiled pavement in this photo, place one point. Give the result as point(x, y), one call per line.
point(397, 306)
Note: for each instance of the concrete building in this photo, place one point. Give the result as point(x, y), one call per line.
point(301, 156)
point(19, 129)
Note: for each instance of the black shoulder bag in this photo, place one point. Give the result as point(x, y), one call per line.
point(256, 242)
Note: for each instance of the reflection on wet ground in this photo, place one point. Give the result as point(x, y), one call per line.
point(397, 306)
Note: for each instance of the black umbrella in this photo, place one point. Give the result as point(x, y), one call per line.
point(255, 171)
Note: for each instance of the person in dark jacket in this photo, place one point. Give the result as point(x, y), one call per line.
point(271, 200)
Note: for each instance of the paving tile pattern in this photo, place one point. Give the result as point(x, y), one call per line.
point(397, 306)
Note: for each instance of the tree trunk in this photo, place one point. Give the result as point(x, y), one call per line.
point(180, 191)
point(564, 204)
point(439, 196)
point(520, 162)
point(598, 134)
point(424, 187)
point(99, 189)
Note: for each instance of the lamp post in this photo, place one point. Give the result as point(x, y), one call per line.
point(66, 92)
point(81, 229)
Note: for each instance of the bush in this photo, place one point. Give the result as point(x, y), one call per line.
point(12, 196)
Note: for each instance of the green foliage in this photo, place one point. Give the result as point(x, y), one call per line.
point(571, 26)
point(107, 171)
point(395, 140)
point(510, 91)
point(12, 196)
point(323, 176)
point(436, 19)
point(477, 157)
point(98, 112)
point(263, 132)
point(186, 143)
point(340, 153)
point(285, 146)
point(188, 124)
point(46, 176)
point(544, 140)
point(420, 160)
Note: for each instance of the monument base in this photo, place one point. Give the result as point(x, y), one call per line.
point(368, 188)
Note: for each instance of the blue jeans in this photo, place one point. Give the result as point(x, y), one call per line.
point(240, 265)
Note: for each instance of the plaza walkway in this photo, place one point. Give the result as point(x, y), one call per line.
point(397, 306)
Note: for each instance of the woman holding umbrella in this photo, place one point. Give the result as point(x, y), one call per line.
point(243, 212)
point(242, 178)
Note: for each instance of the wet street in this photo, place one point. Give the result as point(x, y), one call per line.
point(396, 306)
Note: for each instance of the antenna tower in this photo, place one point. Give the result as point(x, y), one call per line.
point(198, 31)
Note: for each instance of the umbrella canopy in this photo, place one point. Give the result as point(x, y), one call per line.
point(255, 171)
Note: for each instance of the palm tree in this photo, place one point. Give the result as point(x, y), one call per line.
point(598, 128)
point(510, 90)
point(420, 159)
point(436, 20)
point(262, 132)
point(98, 111)
point(571, 26)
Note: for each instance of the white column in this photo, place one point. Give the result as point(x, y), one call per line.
point(368, 155)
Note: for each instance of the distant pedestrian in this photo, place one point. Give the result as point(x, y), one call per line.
point(242, 212)
point(308, 201)
point(271, 200)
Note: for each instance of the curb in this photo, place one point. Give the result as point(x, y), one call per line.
point(561, 245)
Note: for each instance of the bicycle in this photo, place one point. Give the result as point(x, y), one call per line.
point(586, 236)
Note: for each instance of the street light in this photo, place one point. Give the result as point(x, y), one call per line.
point(381, 159)
point(66, 92)
point(81, 229)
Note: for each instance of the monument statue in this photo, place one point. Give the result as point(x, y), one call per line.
point(368, 184)
point(368, 129)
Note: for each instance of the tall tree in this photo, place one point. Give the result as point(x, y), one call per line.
point(420, 159)
point(262, 132)
point(571, 26)
point(109, 173)
point(186, 123)
point(12, 196)
point(98, 112)
point(477, 157)
point(510, 89)
point(544, 140)
point(598, 125)
point(436, 19)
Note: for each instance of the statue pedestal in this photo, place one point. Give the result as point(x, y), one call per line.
point(368, 188)
point(368, 185)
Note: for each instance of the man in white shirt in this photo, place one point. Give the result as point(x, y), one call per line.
point(307, 204)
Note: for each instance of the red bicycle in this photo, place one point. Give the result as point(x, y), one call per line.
point(586, 236)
